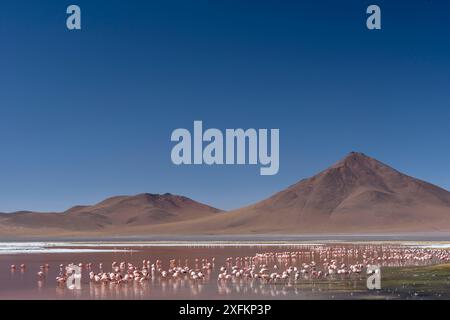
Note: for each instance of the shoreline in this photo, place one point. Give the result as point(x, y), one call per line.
point(61, 247)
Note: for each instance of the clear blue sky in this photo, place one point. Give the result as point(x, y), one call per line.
point(87, 115)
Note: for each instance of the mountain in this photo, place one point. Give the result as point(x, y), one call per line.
point(124, 211)
point(357, 194)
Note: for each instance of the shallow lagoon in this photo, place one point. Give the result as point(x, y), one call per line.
point(409, 270)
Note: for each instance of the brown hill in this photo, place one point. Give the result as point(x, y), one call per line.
point(124, 211)
point(357, 194)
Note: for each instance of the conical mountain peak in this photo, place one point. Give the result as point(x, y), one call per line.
point(356, 194)
point(357, 158)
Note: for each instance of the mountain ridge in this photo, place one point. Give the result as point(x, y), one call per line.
point(356, 194)
point(144, 208)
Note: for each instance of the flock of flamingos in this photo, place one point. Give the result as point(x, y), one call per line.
point(268, 267)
